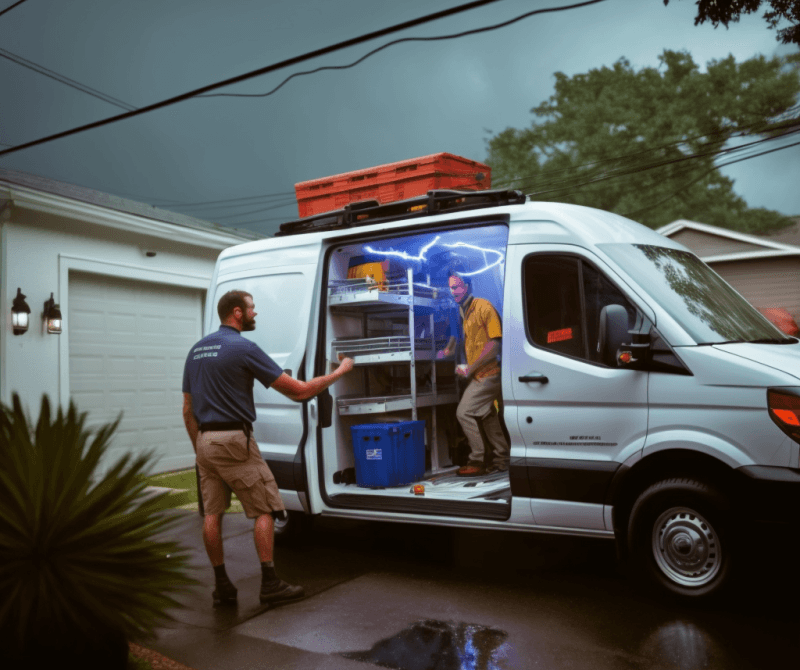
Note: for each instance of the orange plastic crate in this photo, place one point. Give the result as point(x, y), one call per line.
point(392, 182)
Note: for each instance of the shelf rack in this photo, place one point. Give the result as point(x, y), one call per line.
point(400, 299)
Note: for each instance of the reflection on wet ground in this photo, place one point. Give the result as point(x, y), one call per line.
point(438, 645)
point(682, 644)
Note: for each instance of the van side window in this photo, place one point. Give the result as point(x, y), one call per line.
point(564, 296)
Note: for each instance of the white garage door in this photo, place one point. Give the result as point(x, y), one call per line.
point(128, 341)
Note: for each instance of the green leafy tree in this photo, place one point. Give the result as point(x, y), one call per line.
point(648, 144)
point(728, 11)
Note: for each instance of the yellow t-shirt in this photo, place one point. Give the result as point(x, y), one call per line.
point(481, 324)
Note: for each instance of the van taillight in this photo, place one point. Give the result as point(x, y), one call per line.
point(784, 410)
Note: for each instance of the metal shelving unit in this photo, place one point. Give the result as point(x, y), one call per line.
point(401, 300)
point(393, 349)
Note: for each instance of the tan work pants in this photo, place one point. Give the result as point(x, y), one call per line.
point(480, 423)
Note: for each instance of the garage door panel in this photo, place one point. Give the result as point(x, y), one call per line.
point(127, 347)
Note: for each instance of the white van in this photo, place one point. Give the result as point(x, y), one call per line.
point(644, 399)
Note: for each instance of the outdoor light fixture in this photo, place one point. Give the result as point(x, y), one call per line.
point(19, 313)
point(52, 315)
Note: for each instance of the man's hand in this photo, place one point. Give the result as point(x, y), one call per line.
point(443, 353)
point(346, 365)
point(462, 371)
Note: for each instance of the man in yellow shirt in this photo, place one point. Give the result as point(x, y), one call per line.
point(482, 344)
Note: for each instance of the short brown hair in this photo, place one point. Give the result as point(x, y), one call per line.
point(230, 301)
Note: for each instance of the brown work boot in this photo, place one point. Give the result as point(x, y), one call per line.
point(471, 469)
point(278, 591)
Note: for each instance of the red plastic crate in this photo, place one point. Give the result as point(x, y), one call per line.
point(392, 182)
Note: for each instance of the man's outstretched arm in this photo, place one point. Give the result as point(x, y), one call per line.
point(298, 390)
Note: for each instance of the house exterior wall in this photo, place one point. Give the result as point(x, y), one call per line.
point(704, 244)
point(39, 250)
point(769, 282)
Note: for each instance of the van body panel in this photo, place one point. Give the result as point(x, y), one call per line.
point(782, 357)
point(720, 410)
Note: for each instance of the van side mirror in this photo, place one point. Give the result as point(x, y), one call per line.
point(617, 346)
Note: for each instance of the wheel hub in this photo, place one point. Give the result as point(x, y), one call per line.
point(685, 547)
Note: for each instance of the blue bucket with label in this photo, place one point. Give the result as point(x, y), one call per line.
point(389, 454)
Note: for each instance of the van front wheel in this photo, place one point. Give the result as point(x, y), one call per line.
point(679, 538)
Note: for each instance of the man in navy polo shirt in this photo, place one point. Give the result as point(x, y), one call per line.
point(218, 411)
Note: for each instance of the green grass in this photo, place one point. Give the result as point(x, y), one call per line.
point(185, 481)
point(136, 663)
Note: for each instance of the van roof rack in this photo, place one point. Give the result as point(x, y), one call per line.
point(368, 212)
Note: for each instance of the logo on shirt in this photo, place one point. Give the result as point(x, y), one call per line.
point(205, 352)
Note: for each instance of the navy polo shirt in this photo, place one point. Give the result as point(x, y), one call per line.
point(219, 373)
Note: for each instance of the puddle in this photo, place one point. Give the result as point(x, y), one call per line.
point(438, 645)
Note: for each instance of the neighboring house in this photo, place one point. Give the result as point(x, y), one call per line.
point(764, 269)
point(130, 280)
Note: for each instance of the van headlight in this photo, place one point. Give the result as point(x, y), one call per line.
point(784, 410)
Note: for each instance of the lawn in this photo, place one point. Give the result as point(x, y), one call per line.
point(184, 483)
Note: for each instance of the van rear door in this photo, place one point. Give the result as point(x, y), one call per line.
point(281, 282)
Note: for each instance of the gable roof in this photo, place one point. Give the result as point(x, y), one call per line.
point(714, 244)
point(23, 186)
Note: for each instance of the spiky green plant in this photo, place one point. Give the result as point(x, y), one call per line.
point(81, 556)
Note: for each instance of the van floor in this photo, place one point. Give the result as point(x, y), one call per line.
point(442, 485)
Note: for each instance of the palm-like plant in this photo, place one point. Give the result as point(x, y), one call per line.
point(83, 563)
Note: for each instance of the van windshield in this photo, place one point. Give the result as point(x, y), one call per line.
point(694, 295)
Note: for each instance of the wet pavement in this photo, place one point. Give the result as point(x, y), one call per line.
point(415, 597)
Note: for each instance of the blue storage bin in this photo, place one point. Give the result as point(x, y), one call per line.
point(389, 454)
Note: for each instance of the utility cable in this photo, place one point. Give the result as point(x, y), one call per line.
point(564, 184)
point(436, 38)
point(8, 9)
point(19, 60)
point(255, 73)
point(216, 204)
point(739, 131)
point(272, 68)
point(704, 174)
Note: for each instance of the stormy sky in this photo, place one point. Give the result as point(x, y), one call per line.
point(409, 100)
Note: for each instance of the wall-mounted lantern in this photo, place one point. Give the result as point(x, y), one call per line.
point(52, 316)
point(19, 313)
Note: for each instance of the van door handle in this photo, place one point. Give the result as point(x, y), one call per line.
point(534, 377)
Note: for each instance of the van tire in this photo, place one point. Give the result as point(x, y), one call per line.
point(291, 528)
point(680, 540)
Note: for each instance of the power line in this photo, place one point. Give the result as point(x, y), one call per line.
point(254, 73)
point(707, 172)
point(19, 60)
point(8, 9)
point(215, 204)
point(739, 131)
point(651, 166)
point(564, 184)
point(400, 41)
point(270, 68)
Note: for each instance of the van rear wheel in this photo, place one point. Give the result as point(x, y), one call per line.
point(291, 527)
point(679, 538)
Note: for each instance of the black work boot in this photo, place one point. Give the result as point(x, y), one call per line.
point(277, 592)
point(274, 590)
point(224, 594)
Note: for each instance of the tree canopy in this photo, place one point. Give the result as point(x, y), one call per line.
point(648, 144)
point(728, 11)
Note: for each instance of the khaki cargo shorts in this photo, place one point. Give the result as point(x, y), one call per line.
point(225, 458)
